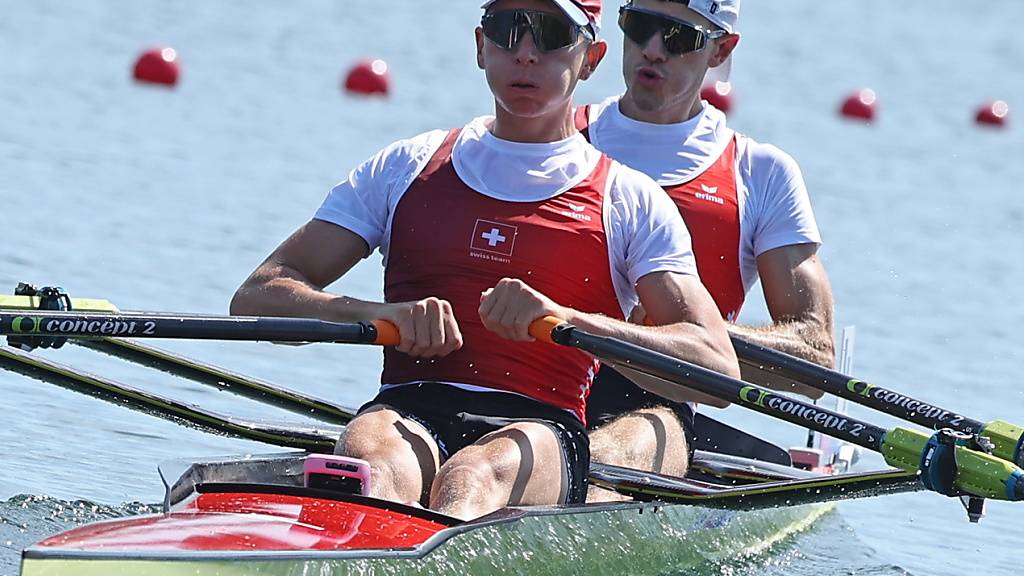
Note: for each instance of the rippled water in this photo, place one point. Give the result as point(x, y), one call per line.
point(165, 199)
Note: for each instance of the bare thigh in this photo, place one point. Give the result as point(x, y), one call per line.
point(651, 439)
point(520, 464)
point(403, 456)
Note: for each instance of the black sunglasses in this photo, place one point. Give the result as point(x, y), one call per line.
point(679, 36)
point(550, 31)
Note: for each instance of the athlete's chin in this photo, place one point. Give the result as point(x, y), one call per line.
point(525, 107)
point(645, 100)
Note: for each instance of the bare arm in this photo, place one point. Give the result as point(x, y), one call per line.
point(291, 282)
point(696, 327)
point(799, 299)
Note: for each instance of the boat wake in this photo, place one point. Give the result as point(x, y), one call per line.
point(25, 519)
point(829, 547)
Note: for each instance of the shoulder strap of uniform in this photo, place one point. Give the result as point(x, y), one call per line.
point(582, 119)
point(442, 155)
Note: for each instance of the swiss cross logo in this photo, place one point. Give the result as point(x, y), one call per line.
point(494, 237)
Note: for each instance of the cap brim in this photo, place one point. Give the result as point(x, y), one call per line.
point(578, 16)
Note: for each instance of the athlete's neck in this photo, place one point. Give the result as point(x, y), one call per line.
point(675, 112)
point(553, 127)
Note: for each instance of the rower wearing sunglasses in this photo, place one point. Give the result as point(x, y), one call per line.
point(744, 203)
point(483, 230)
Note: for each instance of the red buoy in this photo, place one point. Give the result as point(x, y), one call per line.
point(861, 105)
point(993, 114)
point(369, 78)
point(158, 66)
point(719, 95)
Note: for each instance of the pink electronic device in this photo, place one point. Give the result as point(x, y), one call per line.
point(337, 473)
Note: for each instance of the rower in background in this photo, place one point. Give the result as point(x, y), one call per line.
point(744, 203)
point(483, 230)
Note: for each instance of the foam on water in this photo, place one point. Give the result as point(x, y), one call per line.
point(26, 519)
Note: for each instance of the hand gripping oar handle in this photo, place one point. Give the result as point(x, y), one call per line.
point(543, 328)
point(88, 325)
point(1007, 438)
point(387, 333)
point(975, 473)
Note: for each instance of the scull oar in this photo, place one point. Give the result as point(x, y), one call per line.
point(973, 472)
point(1007, 438)
point(945, 465)
point(233, 382)
point(227, 380)
point(644, 486)
point(313, 439)
point(194, 327)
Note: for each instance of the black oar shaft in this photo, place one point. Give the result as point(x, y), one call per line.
point(858, 391)
point(233, 382)
point(305, 438)
point(192, 327)
point(719, 386)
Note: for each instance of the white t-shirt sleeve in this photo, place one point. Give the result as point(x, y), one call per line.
point(779, 195)
point(647, 233)
point(365, 201)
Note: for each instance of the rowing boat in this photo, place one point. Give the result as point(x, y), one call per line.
point(254, 515)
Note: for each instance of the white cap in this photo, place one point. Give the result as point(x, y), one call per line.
point(723, 13)
point(574, 9)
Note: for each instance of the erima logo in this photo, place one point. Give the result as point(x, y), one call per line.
point(708, 193)
point(577, 212)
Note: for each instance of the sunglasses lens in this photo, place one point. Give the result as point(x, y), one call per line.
point(506, 27)
point(551, 32)
point(637, 26)
point(502, 28)
point(679, 38)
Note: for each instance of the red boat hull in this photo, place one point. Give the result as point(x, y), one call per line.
point(232, 521)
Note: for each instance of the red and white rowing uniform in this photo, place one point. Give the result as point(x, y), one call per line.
point(455, 212)
point(739, 198)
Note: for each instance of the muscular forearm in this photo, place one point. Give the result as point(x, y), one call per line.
point(810, 340)
point(278, 290)
point(686, 341)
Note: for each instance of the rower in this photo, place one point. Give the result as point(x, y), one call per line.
point(484, 229)
point(744, 203)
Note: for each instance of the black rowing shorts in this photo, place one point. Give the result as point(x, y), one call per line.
point(456, 418)
point(614, 395)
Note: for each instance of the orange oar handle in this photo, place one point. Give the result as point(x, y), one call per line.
point(541, 328)
point(387, 333)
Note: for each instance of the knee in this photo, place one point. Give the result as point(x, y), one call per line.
point(629, 443)
point(604, 446)
point(366, 436)
point(467, 477)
